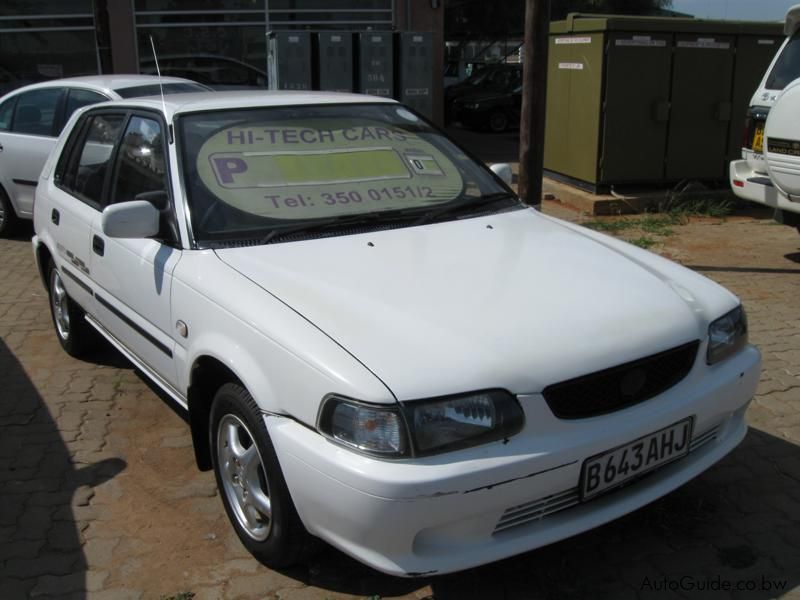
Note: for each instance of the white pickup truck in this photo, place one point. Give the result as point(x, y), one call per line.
point(769, 172)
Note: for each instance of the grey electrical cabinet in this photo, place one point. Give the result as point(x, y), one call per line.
point(376, 63)
point(415, 66)
point(289, 60)
point(335, 56)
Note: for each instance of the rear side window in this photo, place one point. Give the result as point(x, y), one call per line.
point(36, 112)
point(6, 112)
point(80, 98)
point(787, 67)
point(85, 172)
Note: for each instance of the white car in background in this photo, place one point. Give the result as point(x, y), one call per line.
point(375, 341)
point(769, 172)
point(32, 116)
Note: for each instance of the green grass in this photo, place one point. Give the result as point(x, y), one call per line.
point(704, 207)
point(643, 242)
point(610, 226)
point(660, 224)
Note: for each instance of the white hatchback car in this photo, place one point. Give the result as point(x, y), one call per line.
point(31, 118)
point(376, 342)
point(769, 171)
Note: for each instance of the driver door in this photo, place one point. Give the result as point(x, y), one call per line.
point(134, 276)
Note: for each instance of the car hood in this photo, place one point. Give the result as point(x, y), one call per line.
point(513, 300)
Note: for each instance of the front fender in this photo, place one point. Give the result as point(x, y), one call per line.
point(285, 361)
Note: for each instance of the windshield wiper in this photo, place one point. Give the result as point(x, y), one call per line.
point(469, 205)
point(335, 222)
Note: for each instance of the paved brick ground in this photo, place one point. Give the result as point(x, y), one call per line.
point(99, 497)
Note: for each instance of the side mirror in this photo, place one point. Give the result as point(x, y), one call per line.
point(503, 171)
point(134, 219)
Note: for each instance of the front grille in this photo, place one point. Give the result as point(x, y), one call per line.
point(621, 386)
point(537, 509)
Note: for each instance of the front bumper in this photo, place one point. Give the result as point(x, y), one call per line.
point(757, 187)
point(457, 510)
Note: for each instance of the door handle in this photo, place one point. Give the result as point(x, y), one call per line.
point(55, 217)
point(1, 147)
point(98, 245)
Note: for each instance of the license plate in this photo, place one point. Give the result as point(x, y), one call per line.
point(617, 466)
point(758, 139)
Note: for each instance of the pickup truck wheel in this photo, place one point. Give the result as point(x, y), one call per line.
point(251, 482)
point(8, 218)
point(73, 332)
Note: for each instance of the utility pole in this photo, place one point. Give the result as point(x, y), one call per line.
point(534, 95)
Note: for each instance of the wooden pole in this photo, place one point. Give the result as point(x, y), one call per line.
point(534, 94)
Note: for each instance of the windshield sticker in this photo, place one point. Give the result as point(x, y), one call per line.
point(299, 171)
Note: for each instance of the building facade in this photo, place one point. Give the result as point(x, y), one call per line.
point(219, 42)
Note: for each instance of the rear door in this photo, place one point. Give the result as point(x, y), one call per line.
point(27, 143)
point(76, 198)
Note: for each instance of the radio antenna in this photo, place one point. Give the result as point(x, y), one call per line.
point(160, 85)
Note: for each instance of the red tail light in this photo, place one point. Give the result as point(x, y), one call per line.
point(747, 133)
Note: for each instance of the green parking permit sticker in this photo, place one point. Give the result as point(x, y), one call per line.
point(320, 168)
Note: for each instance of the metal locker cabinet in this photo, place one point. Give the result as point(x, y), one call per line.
point(335, 56)
point(289, 60)
point(556, 152)
point(583, 132)
point(701, 107)
point(636, 105)
point(415, 68)
point(376, 63)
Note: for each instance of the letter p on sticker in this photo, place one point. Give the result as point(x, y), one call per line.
point(225, 167)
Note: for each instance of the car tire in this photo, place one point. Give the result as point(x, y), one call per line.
point(251, 483)
point(8, 217)
point(74, 334)
point(498, 121)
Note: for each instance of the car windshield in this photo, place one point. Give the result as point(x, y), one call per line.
point(154, 89)
point(255, 174)
point(787, 67)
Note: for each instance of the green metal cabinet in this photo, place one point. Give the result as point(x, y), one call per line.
point(636, 107)
point(700, 115)
point(635, 100)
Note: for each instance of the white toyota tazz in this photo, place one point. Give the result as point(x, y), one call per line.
point(376, 342)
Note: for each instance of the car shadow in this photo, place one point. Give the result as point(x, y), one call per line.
point(23, 231)
point(44, 494)
point(734, 525)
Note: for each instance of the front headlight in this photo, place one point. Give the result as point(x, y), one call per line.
point(421, 427)
point(727, 335)
point(459, 421)
point(473, 105)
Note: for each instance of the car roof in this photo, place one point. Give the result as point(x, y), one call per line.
point(102, 83)
point(173, 104)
